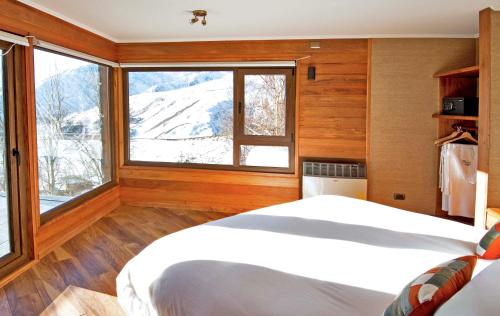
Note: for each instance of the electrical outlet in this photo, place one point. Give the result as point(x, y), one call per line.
point(399, 196)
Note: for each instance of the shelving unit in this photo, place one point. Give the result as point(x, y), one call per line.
point(455, 117)
point(472, 72)
point(463, 82)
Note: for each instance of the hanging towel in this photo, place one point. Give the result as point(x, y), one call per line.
point(458, 168)
point(444, 180)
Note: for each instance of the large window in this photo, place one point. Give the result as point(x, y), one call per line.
point(214, 118)
point(73, 127)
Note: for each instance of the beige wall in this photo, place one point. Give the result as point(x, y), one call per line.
point(404, 95)
point(494, 172)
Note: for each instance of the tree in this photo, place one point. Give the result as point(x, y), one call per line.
point(92, 137)
point(51, 111)
point(265, 108)
point(69, 128)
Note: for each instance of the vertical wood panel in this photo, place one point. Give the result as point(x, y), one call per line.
point(484, 117)
point(118, 121)
point(490, 78)
point(368, 108)
point(484, 88)
point(29, 148)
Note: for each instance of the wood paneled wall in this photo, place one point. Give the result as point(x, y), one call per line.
point(16, 17)
point(490, 64)
point(71, 223)
point(330, 123)
point(404, 95)
point(223, 191)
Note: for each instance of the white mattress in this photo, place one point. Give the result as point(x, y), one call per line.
point(326, 255)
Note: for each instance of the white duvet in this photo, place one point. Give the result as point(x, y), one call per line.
point(327, 255)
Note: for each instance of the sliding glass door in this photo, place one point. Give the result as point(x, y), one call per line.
point(13, 224)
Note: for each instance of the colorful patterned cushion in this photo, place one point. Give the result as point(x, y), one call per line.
point(427, 292)
point(489, 246)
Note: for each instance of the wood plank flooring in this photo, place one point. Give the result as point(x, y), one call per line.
point(92, 259)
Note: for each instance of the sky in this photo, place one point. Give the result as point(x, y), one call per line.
point(48, 64)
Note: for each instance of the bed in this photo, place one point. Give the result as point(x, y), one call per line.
point(327, 255)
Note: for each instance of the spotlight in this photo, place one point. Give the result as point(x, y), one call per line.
point(199, 14)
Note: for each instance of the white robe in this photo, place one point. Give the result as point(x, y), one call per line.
point(458, 168)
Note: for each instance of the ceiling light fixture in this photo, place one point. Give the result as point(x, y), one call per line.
point(197, 14)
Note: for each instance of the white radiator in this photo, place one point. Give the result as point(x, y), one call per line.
point(334, 178)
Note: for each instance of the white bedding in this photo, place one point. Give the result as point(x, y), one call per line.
point(327, 255)
point(479, 297)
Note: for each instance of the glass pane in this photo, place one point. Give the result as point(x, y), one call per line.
point(181, 116)
point(5, 244)
point(265, 105)
point(72, 107)
point(264, 156)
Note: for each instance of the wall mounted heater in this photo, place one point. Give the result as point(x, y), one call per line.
point(334, 178)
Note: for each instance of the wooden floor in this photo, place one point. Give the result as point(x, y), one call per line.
point(92, 260)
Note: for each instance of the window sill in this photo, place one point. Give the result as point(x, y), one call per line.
point(128, 174)
point(67, 207)
point(14, 274)
point(164, 168)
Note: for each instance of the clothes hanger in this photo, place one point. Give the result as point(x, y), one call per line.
point(458, 131)
point(456, 135)
point(446, 138)
point(464, 136)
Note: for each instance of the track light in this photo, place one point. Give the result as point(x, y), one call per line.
point(197, 14)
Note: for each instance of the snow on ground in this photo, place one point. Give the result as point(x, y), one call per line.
point(266, 156)
point(213, 150)
point(192, 124)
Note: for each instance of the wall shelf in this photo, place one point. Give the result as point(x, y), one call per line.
point(455, 117)
point(463, 82)
point(467, 72)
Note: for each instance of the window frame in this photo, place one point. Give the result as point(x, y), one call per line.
point(84, 197)
point(238, 120)
point(13, 94)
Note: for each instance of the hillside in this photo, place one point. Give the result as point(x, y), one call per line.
point(190, 112)
point(189, 124)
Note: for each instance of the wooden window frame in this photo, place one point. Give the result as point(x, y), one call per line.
point(108, 127)
point(259, 140)
point(239, 138)
point(14, 92)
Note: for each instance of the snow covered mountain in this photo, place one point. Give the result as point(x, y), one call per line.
point(199, 110)
point(162, 104)
point(192, 123)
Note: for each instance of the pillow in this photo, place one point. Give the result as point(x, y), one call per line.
point(427, 292)
point(489, 246)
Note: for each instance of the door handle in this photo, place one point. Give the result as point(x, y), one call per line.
point(17, 154)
